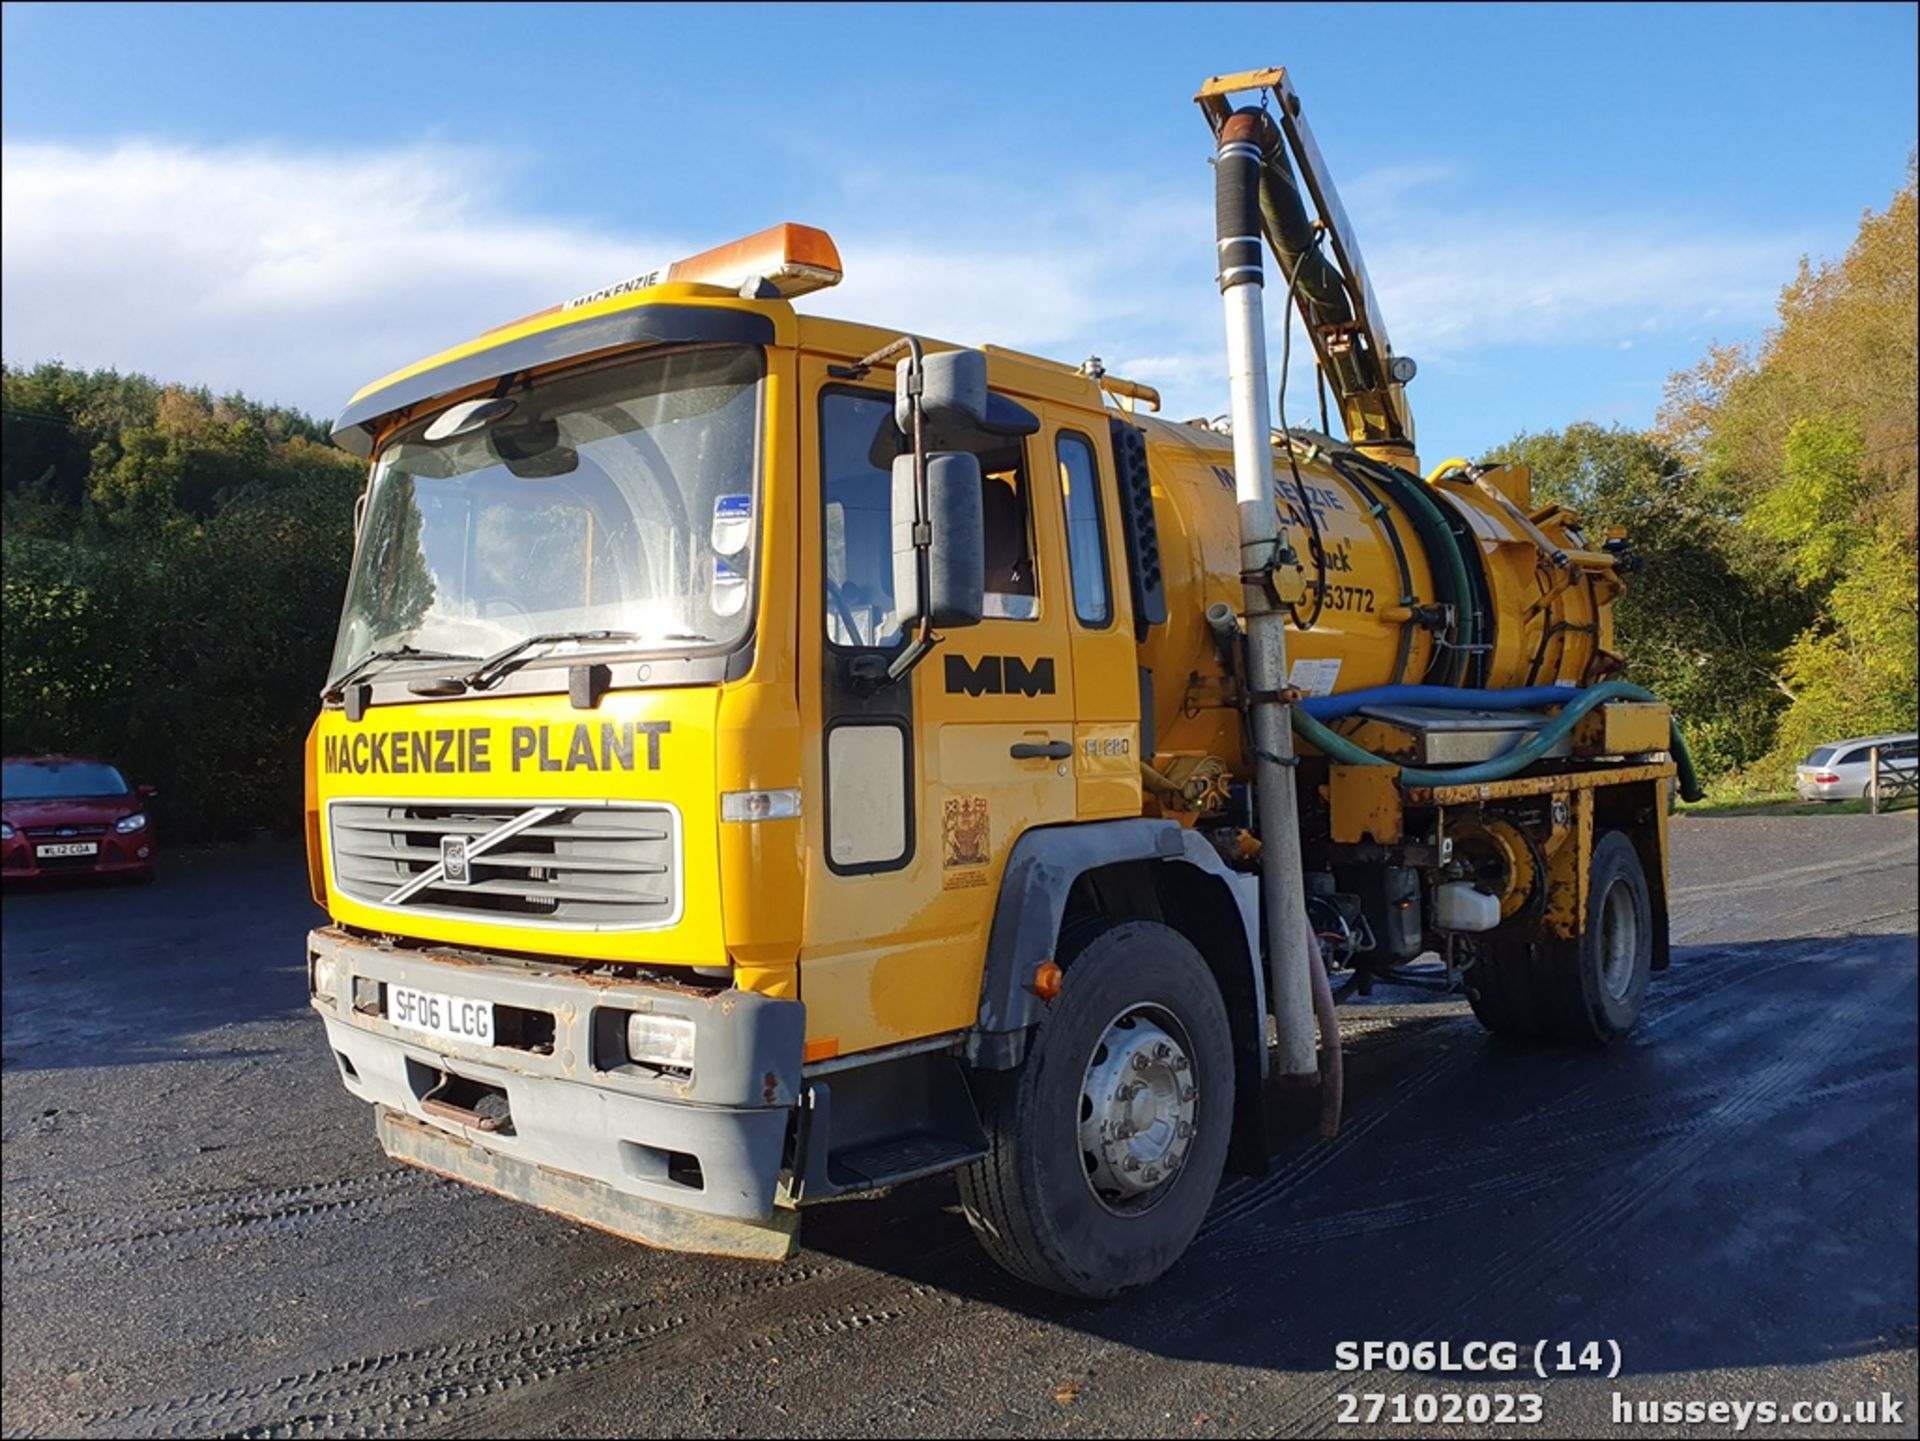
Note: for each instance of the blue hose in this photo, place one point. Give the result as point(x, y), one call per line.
point(1309, 719)
point(1338, 707)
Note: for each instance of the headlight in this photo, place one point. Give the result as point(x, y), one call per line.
point(127, 825)
point(6, 831)
point(664, 1041)
point(321, 978)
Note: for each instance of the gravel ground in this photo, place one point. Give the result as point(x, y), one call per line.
point(202, 1237)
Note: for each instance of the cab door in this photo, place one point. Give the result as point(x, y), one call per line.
point(924, 783)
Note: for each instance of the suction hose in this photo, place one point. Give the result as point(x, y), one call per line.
point(1310, 717)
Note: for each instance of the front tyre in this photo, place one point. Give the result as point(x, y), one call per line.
point(1105, 1146)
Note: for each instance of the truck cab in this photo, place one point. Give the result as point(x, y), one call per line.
point(654, 899)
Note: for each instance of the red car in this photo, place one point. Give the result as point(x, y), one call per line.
point(71, 816)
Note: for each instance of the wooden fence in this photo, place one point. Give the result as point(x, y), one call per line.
point(1892, 781)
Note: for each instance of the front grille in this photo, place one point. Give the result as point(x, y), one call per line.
point(603, 867)
point(63, 833)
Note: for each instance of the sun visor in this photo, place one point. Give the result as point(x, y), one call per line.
point(353, 430)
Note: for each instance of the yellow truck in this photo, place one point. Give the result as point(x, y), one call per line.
point(768, 759)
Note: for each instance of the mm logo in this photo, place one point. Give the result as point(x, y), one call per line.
point(999, 675)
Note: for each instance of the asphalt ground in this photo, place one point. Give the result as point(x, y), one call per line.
point(200, 1235)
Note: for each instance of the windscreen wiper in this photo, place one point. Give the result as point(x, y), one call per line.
point(491, 670)
point(366, 663)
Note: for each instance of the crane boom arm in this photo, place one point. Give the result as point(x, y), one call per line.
point(1333, 293)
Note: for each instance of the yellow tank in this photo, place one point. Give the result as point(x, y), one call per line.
point(1540, 619)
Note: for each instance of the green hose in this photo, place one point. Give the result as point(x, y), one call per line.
point(1337, 747)
point(1413, 493)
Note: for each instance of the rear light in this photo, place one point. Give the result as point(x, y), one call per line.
point(1825, 778)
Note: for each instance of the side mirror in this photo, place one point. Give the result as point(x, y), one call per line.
point(958, 410)
point(952, 589)
point(953, 390)
point(146, 793)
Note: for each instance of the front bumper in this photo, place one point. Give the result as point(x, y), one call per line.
point(128, 855)
point(690, 1162)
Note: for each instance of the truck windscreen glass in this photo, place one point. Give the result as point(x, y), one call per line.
point(620, 499)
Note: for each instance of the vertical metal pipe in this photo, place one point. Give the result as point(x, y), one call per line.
point(1282, 888)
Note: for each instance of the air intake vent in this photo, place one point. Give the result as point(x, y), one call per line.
point(1137, 523)
point(592, 867)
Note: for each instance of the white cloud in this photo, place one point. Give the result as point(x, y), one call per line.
point(1386, 190)
point(293, 276)
point(300, 275)
point(1465, 286)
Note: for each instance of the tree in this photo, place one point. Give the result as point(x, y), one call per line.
point(1811, 439)
point(172, 573)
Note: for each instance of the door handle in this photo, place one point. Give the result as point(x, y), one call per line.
point(1041, 751)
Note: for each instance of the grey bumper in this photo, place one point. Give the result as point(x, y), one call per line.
point(589, 1133)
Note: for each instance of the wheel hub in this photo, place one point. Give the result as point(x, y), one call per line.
point(1619, 941)
point(1137, 1107)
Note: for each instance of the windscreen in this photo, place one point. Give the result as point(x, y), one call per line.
point(620, 499)
point(61, 780)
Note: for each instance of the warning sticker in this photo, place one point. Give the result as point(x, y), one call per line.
point(1315, 677)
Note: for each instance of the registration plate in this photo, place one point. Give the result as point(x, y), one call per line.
point(69, 848)
point(453, 1017)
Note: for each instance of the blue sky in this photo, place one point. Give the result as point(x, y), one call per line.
point(1560, 205)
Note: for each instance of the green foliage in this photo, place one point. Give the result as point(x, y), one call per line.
point(171, 580)
point(1808, 510)
point(1855, 672)
point(1817, 436)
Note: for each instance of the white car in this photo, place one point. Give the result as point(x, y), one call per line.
point(1842, 771)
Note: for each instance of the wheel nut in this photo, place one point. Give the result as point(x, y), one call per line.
point(1183, 1130)
point(1161, 1050)
point(1153, 1174)
point(1139, 1061)
point(1187, 1093)
point(1132, 1163)
point(1181, 1063)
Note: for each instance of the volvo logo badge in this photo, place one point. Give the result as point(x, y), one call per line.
point(453, 860)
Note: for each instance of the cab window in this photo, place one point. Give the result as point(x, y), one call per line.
point(1086, 541)
point(1012, 590)
point(858, 443)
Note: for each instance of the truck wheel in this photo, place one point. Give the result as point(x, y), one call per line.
point(1105, 1146)
point(1589, 990)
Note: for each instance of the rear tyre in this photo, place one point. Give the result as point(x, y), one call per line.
point(1105, 1146)
point(1586, 991)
